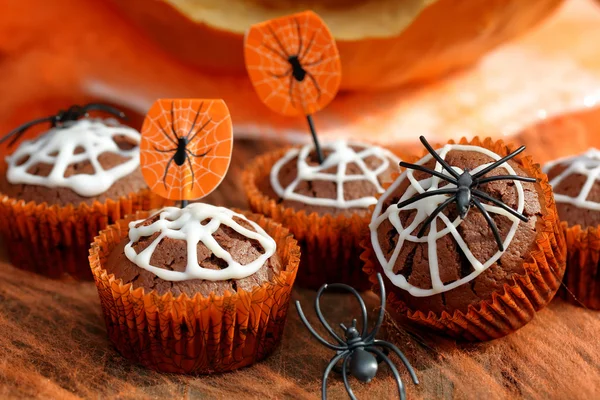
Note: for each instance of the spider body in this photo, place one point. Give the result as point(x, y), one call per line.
point(181, 153)
point(463, 195)
point(358, 351)
point(298, 71)
point(73, 113)
point(363, 365)
point(463, 190)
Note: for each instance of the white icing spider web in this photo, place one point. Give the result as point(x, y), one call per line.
point(58, 148)
point(424, 208)
point(586, 164)
point(342, 154)
point(186, 224)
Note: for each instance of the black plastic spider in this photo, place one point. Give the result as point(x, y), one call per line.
point(465, 194)
point(181, 153)
point(73, 113)
point(358, 352)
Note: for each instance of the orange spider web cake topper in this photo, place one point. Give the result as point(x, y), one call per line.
point(186, 146)
point(294, 65)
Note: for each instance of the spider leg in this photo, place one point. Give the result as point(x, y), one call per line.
point(361, 303)
point(401, 390)
point(429, 171)
point(382, 296)
point(18, 132)
point(387, 345)
point(332, 363)
point(173, 120)
point(496, 164)
point(195, 119)
point(271, 49)
point(345, 378)
point(505, 177)
point(314, 81)
point(198, 155)
point(424, 195)
point(163, 151)
point(299, 36)
point(104, 108)
point(278, 42)
point(490, 222)
point(284, 75)
point(189, 160)
point(485, 196)
point(314, 333)
point(167, 171)
point(434, 214)
point(307, 50)
point(316, 62)
point(200, 130)
point(437, 157)
point(164, 131)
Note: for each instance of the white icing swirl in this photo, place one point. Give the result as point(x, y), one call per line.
point(586, 164)
point(424, 208)
point(186, 224)
point(57, 147)
point(342, 154)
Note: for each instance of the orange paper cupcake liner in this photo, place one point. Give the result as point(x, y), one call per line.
point(200, 335)
point(52, 240)
point(516, 304)
point(582, 278)
point(330, 244)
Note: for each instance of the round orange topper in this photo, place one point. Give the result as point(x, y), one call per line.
point(293, 63)
point(186, 147)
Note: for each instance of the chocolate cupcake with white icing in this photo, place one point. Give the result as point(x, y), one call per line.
point(196, 290)
point(58, 190)
point(154, 255)
point(325, 206)
point(576, 184)
point(468, 240)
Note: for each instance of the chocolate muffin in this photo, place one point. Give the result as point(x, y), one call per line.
point(196, 290)
point(317, 188)
point(413, 260)
point(576, 185)
point(442, 256)
point(59, 168)
point(325, 206)
point(170, 254)
point(58, 190)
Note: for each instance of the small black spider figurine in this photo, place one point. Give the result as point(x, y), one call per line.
point(466, 192)
point(73, 113)
point(181, 153)
point(358, 351)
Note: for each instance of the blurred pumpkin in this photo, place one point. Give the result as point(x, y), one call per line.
point(382, 43)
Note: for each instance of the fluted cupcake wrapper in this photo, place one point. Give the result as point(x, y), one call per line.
point(198, 335)
point(53, 240)
point(516, 304)
point(582, 278)
point(330, 244)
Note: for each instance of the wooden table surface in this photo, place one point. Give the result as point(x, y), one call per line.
point(53, 345)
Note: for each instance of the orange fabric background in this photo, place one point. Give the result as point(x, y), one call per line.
point(43, 66)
